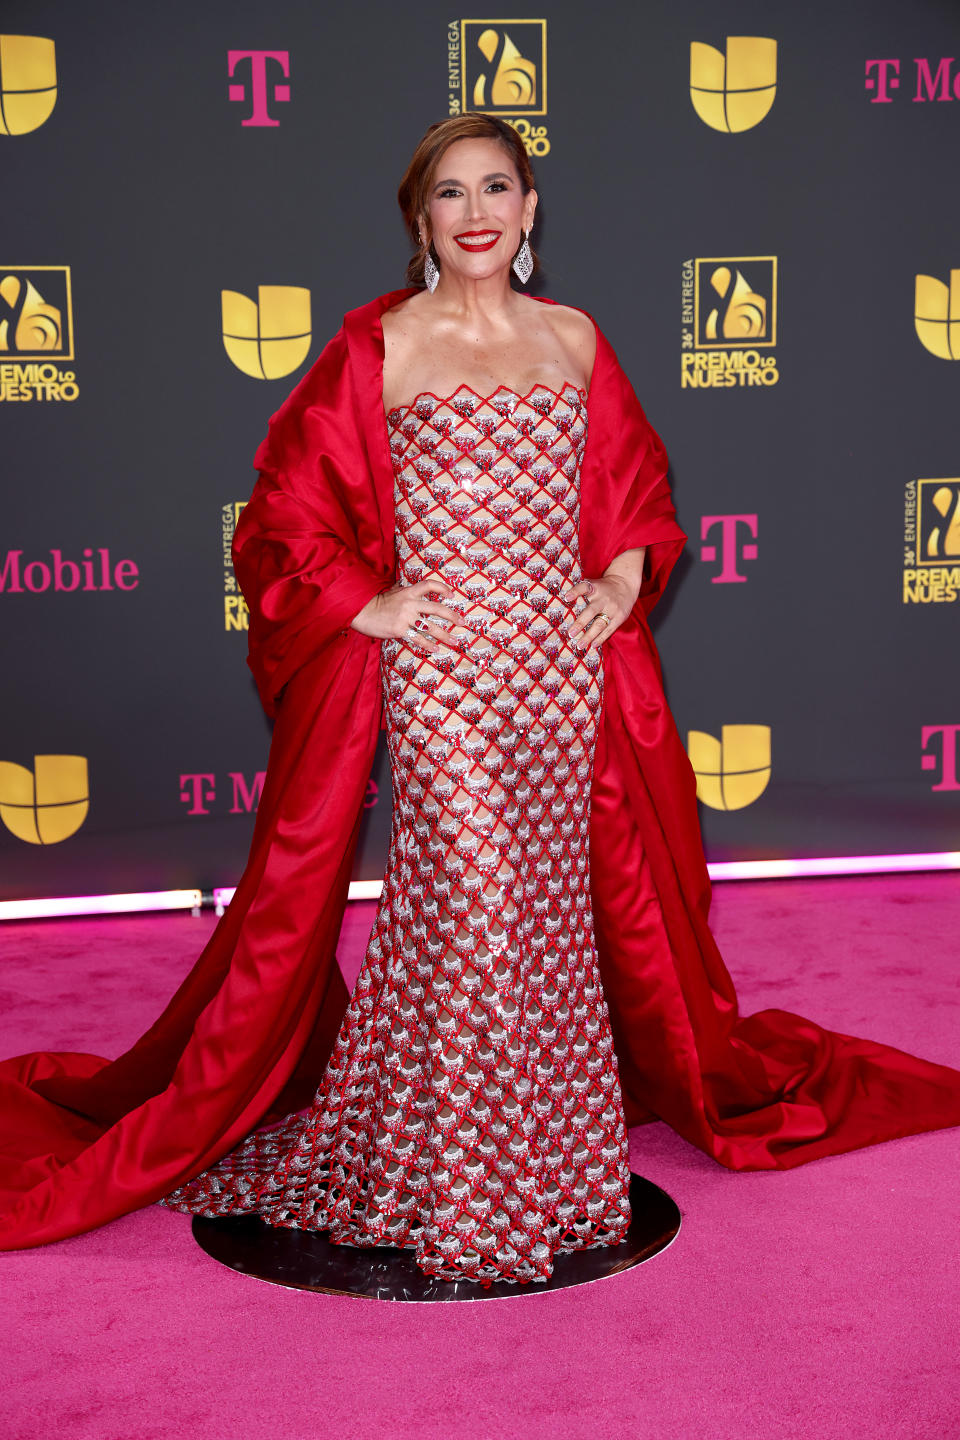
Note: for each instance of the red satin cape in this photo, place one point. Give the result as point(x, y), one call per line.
point(246, 1036)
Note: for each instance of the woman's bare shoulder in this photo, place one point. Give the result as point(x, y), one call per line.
point(403, 315)
point(576, 331)
point(576, 322)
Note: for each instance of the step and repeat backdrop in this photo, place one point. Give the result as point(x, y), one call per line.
point(758, 203)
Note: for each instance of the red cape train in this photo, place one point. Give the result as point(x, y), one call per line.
point(246, 1036)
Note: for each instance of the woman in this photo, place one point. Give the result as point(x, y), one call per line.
point(472, 1104)
point(462, 514)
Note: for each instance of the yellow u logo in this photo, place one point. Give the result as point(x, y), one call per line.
point(28, 83)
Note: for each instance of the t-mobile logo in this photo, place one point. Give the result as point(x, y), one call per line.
point(731, 549)
point(198, 791)
point(258, 82)
point(937, 85)
point(946, 762)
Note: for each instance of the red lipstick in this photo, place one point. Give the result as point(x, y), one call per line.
point(472, 240)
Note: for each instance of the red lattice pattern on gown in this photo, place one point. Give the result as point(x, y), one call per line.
point(471, 1108)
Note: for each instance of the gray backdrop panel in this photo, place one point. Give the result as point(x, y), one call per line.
point(145, 182)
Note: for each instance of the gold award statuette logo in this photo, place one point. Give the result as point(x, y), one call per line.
point(48, 803)
point(28, 83)
point(236, 615)
point(731, 772)
point(499, 67)
point(936, 314)
point(36, 330)
point(269, 337)
point(728, 309)
point(733, 91)
point(931, 542)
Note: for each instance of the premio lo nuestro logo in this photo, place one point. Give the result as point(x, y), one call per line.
point(28, 82)
point(269, 337)
point(931, 541)
point(733, 90)
point(731, 772)
point(236, 615)
point(728, 322)
point(36, 332)
point(500, 67)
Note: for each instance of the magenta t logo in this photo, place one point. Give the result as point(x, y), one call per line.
point(258, 82)
point(197, 791)
point(949, 737)
point(731, 551)
point(883, 81)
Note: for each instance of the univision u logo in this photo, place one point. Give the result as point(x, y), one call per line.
point(937, 315)
point(48, 803)
point(733, 771)
point(270, 336)
point(28, 83)
point(733, 91)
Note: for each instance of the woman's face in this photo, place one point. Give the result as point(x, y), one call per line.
point(477, 209)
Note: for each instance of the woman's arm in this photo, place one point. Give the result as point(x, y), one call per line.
point(629, 568)
point(614, 595)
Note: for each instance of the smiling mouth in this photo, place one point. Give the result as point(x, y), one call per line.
point(477, 239)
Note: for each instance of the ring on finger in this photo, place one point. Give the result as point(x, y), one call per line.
point(601, 616)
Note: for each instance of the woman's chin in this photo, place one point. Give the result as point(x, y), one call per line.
point(475, 267)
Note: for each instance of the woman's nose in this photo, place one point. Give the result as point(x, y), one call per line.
point(475, 207)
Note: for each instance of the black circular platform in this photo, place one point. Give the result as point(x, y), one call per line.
point(306, 1259)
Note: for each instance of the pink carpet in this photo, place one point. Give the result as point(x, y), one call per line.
point(818, 1303)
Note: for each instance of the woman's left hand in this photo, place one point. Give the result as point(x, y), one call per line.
point(609, 602)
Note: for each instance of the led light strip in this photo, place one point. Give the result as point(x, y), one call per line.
point(101, 904)
point(370, 889)
point(836, 865)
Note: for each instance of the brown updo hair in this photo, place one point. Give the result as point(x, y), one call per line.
point(417, 182)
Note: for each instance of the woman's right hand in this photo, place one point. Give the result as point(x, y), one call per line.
point(392, 615)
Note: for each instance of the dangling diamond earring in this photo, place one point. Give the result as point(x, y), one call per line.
point(430, 273)
point(523, 260)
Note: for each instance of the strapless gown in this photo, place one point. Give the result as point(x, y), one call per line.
point(471, 1108)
